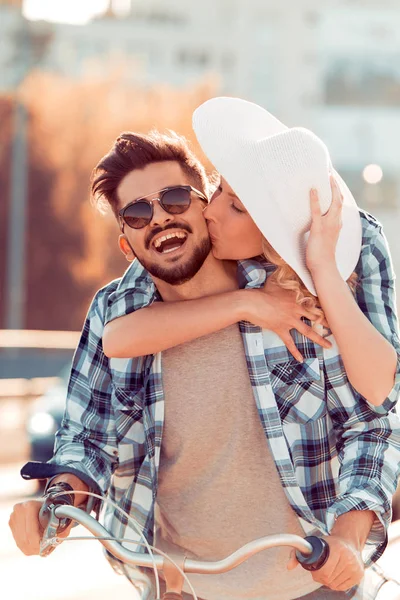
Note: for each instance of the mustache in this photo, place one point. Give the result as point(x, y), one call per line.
point(158, 230)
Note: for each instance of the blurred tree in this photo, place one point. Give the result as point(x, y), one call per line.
point(71, 248)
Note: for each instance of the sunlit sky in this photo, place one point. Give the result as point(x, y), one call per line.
point(65, 11)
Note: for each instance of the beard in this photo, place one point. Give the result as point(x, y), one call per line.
point(177, 275)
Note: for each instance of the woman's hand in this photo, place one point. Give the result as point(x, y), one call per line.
point(276, 309)
point(325, 229)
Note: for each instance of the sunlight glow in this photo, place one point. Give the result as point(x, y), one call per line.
point(372, 174)
point(64, 11)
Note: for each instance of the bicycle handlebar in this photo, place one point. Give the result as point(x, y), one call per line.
point(311, 552)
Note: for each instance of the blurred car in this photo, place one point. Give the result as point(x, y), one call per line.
point(45, 418)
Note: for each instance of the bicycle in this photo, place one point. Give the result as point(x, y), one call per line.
point(57, 513)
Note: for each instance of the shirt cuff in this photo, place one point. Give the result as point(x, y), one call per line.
point(392, 398)
point(377, 537)
point(40, 470)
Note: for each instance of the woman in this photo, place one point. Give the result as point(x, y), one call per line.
point(364, 333)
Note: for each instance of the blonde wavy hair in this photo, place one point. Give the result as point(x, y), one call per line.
point(287, 278)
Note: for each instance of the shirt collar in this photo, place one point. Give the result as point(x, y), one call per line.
point(135, 278)
point(251, 274)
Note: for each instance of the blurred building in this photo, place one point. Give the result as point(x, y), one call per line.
point(332, 66)
point(23, 43)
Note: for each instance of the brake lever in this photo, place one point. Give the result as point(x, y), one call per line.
point(49, 540)
point(51, 524)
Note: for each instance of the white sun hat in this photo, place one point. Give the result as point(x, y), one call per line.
point(272, 169)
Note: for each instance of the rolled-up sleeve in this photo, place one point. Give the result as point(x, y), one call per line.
point(86, 443)
point(369, 456)
point(376, 296)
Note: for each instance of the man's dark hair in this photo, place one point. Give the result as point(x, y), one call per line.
point(132, 151)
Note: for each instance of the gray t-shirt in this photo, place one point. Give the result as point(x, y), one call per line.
point(218, 484)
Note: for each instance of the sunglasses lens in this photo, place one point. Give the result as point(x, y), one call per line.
point(138, 215)
point(176, 201)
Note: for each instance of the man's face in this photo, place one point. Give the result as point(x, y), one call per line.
point(177, 259)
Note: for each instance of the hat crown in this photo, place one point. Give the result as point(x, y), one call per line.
point(290, 164)
point(249, 119)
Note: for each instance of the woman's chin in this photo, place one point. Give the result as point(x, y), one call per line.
point(220, 254)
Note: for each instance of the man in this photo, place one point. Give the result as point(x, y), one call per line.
point(180, 443)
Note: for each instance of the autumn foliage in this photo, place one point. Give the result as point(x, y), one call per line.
point(71, 248)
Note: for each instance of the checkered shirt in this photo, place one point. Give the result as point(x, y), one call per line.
point(333, 450)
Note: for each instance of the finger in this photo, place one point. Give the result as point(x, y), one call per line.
point(313, 335)
point(339, 574)
point(291, 346)
point(304, 312)
point(319, 320)
point(326, 573)
point(344, 585)
point(293, 562)
point(315, 206)
point(32, 533)
point(337, 198)
point(346, 579)
point(335, 187)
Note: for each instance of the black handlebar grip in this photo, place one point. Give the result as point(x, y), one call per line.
point(318, 556)
point(171, 596)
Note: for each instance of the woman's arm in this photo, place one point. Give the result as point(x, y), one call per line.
point(164, 325)
point(370, 360)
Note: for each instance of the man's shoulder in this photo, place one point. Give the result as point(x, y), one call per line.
point(102, 297)
point(374, 247)
point(370, 225)
point(107, 290)
point(134, 290)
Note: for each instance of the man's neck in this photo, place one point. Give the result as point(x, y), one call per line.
point(214, 277)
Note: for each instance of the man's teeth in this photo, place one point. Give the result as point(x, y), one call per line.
point(162, 239)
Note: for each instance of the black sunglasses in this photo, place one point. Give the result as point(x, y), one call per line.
point(174, 200)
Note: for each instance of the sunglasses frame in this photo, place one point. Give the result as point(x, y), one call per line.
point(161, 194)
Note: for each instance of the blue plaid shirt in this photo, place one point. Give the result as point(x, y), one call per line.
point(334, 452)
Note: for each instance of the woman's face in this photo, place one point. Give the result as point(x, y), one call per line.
point(233, 233)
